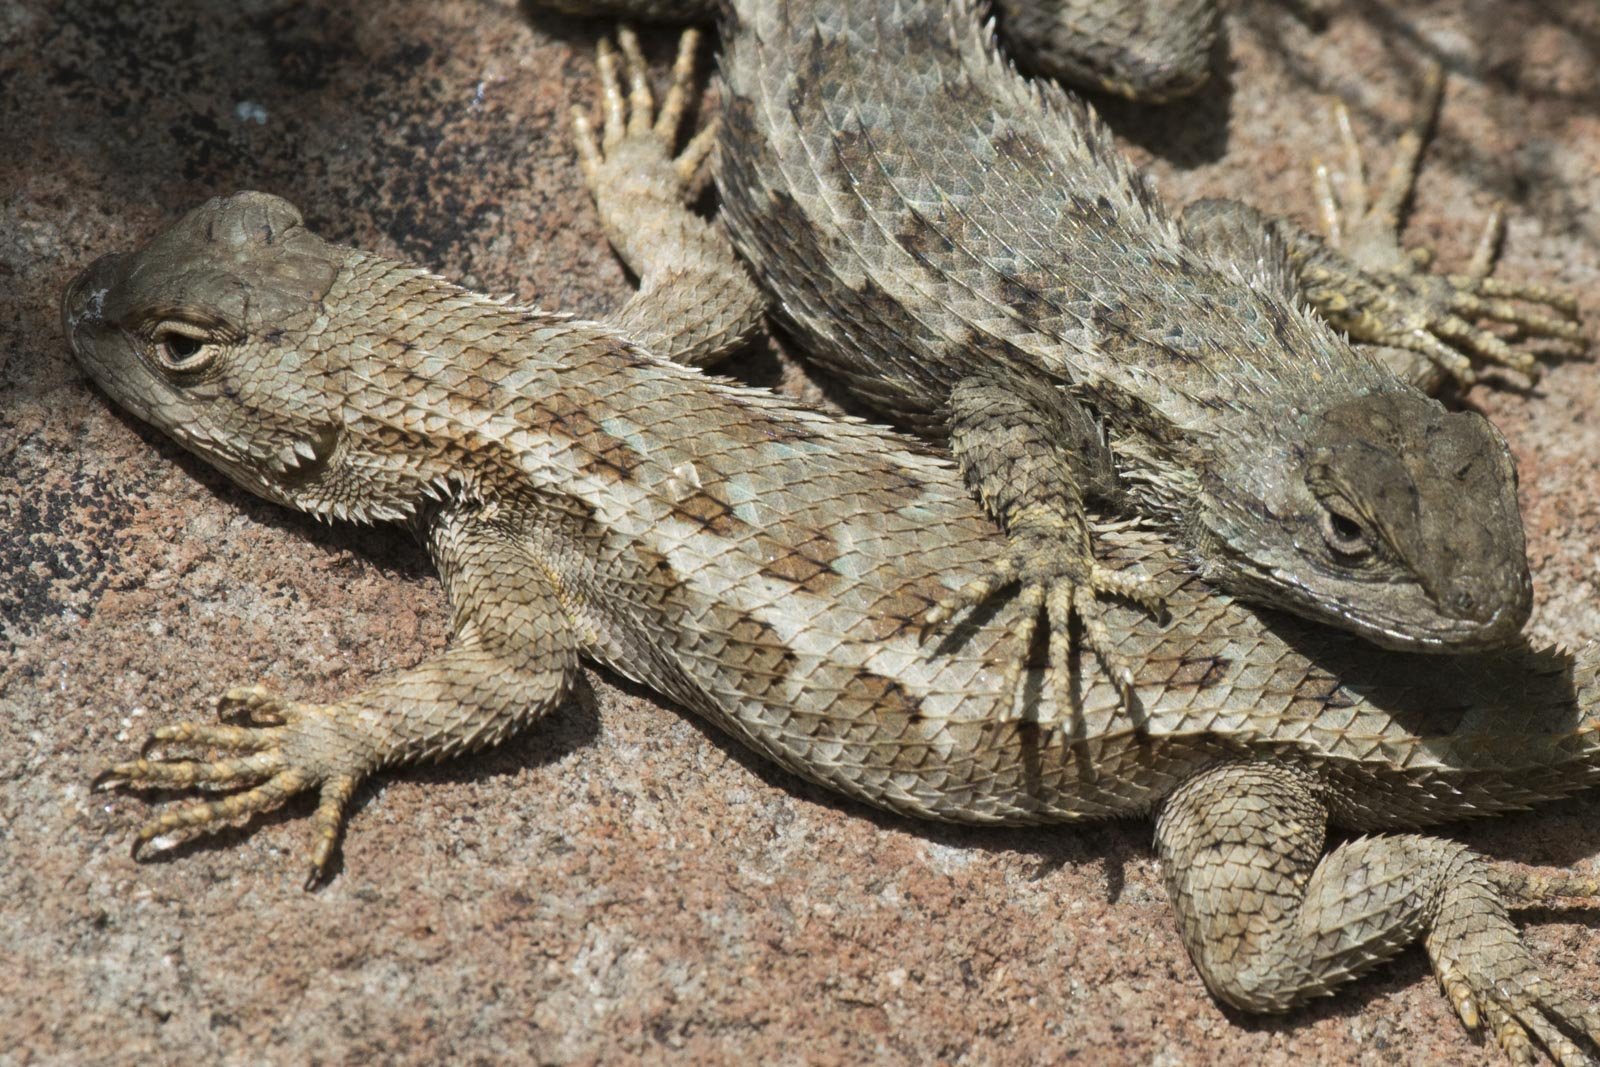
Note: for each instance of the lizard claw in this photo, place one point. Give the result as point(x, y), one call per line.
point(1489, 975)
point(634, 131)
point(261, 764)
point(1394, 302)
point(1060, 584)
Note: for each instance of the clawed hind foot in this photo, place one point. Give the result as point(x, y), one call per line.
point(1395, 302)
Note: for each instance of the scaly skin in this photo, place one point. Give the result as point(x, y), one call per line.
point(768, 567)
point(1147, 50)
point(941, 234)
point(1150, 50)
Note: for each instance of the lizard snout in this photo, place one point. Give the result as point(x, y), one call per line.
point(1495, 609)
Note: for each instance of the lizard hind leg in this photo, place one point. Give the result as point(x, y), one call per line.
point(1366, 283)
point(1487, 971)
point(1270, 921)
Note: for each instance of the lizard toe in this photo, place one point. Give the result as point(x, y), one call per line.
point(1056, 582)
point(638, 139)
point(256, 705)
point(177, 825)
point(189, 773)
point(1488, 972)
point(291, 749)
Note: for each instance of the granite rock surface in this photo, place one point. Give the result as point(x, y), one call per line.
point(621, 885)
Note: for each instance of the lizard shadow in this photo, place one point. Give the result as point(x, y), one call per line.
point(1471, 711)
point(1111, 844)
point(389, 547)
point(1188, 132)
point(1396, 31)
point(1480, 54)
point(658, 40)
point(1560, 833)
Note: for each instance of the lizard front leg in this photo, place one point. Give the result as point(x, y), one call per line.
point(512, 658)
point(696, 301)
point(1032, 454)
point(1270, 921)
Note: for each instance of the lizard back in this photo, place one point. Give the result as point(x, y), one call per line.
point(927, 221)
point(916, 205)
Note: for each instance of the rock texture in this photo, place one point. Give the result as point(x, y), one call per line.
point(619, 885)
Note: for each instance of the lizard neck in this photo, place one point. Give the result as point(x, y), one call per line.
point(429, 376)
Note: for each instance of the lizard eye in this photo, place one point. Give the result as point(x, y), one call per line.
point(1345, 535)
point(182, 348)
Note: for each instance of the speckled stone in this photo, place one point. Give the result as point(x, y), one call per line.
point(619, 885)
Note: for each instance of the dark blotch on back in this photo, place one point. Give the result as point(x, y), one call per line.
point(711, 512)
point(568, 410)
point(758, 654)
point(808, 565)
point(884, 708)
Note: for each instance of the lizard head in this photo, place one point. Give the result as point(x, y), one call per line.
point(209, 333)
point(1398, 521)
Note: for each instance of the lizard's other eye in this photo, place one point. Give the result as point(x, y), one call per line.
point(182, 348)
point(1344, 534)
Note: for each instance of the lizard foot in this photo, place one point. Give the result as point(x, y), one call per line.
point(1489, 975)
point(636, 139)
point(272, 759)
point(1390, 299)
point(1061, 583)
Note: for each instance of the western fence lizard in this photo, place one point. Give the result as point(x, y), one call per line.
point(767, 566)
point(968, 252)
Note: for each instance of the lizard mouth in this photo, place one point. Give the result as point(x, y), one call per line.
point(1447, 634)
point(1407, 617)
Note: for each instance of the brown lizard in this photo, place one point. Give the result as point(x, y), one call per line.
point(767, 567)
point(964, 249)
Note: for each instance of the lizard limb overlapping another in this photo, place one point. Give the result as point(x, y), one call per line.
point(767, 567)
